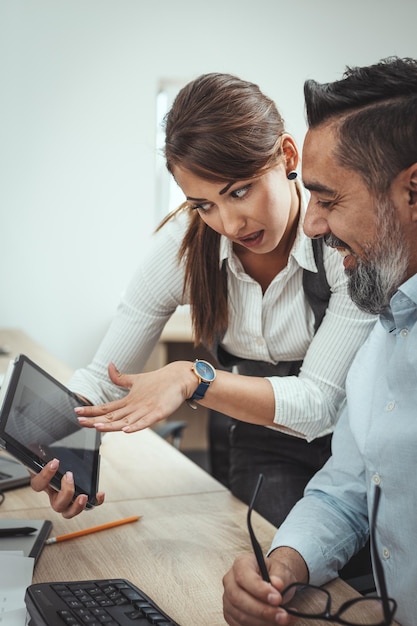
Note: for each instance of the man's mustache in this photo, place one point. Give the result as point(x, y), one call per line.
point(334, 242)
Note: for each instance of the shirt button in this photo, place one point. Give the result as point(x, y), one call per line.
point(404, 333)
point(376, 479)
point(386, 553)
point(390, 406)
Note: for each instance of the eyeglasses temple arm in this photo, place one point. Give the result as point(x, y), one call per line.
point(259, 556)
point(255, 544)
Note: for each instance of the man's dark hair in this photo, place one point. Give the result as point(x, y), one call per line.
point(374, 111)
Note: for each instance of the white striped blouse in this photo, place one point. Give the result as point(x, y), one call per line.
point(274, 326)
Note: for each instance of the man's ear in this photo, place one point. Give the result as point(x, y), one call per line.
point(404, 193)
point(413, 191)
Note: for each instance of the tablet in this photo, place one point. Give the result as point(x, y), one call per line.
point(38, 424)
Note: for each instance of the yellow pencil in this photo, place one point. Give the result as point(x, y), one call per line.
point(93, 529)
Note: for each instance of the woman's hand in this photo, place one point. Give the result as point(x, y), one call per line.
point(152, 397)
point(61, 501)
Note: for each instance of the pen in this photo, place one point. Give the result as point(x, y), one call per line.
point(93, 529)
point(13, 532)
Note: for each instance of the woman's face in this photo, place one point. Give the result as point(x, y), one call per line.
point(254, 213)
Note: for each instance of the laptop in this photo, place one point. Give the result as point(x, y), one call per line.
point(12, 473)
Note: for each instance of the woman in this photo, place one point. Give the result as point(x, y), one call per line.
point(263, 300)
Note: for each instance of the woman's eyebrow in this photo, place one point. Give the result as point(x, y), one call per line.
point(196, 199)
point(232, 182)
point(221, 192)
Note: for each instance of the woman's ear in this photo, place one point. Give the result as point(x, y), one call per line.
point(290, 152)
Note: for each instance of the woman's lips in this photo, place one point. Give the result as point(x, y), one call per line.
point(252, 240)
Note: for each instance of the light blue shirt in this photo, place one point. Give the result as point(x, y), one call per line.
point(375, 442)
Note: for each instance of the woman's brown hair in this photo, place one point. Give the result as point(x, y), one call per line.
point(222, 129)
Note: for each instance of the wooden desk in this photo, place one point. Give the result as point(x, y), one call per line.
point(191, 530)
point(135, 466)
point(177, 553)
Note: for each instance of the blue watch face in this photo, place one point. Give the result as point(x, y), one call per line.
point(205, 371)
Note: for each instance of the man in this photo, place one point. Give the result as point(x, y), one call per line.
point(360, 165)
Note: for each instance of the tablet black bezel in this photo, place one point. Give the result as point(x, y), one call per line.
point(26, 456)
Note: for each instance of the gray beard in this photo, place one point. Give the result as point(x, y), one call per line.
point(371, 287)
point(374, 281)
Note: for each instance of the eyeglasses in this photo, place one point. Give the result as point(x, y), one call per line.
point(315, 602)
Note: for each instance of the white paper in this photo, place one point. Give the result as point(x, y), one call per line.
point(16, 572)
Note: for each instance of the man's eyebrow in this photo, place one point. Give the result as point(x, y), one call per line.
point(318, 187)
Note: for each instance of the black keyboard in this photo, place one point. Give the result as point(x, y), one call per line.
point(109, 602)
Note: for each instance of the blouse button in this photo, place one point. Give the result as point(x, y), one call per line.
point(386, 553)
point(404, 333)
point(390, 406)
point(376, 479)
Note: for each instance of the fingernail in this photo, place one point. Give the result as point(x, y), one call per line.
point(78, 409)
point(281, 617)
point(273, 597)
point(54, 464)
point(69, 477)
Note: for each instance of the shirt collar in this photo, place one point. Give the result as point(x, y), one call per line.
point(302, 250)
point(409, 288)
point(402, 311)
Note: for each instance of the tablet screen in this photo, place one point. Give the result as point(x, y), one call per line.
point(38, 424)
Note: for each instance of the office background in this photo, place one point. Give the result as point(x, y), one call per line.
point(78, 153)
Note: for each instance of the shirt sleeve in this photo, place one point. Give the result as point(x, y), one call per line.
point(152, 296)
point(330, 523)
point(309, 404)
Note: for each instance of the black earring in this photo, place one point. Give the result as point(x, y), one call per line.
point(292, 175)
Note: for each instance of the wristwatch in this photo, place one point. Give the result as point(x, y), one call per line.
point(205, 373)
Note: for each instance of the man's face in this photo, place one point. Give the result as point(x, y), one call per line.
point(364, 229)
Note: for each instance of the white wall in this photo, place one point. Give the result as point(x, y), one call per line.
point(78, 82)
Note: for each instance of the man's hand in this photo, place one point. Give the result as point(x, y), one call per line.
point(62, 500)
point(250, 601)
